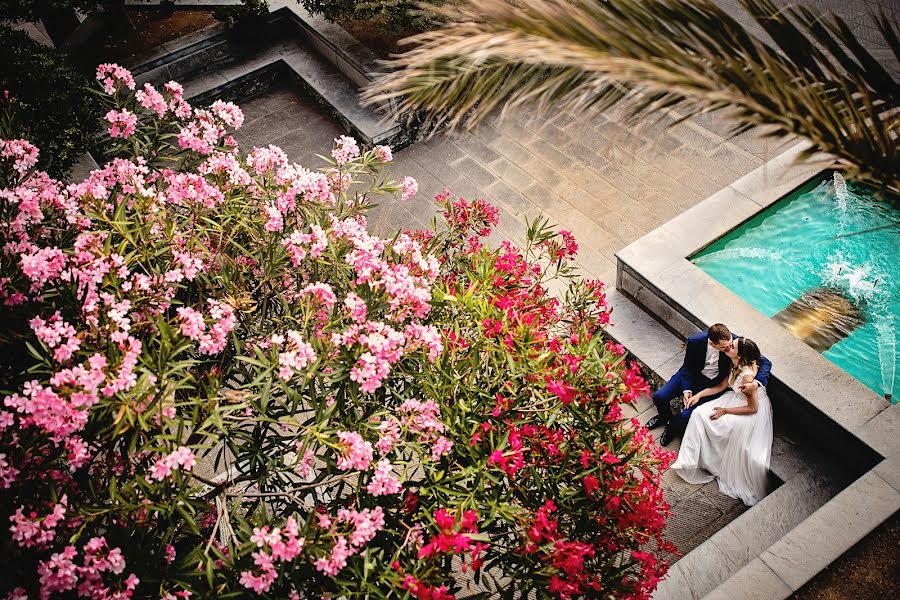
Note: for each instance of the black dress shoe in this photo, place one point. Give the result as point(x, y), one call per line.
point(667, 436)
point(655, 422)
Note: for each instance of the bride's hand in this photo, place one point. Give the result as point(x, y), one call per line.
point(689, 399)
point(717, 412)
point(750, 386)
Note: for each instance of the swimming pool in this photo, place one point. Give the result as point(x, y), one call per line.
point(824, 262)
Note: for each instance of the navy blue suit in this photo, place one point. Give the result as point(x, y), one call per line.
point(690, 377)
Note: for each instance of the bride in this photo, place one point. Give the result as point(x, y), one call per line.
point(731, 437)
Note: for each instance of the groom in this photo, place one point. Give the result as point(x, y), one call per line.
point(705, 365)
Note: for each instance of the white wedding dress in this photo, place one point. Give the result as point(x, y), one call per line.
point(733, 448)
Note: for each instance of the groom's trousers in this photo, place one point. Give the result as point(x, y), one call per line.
point(676, 387)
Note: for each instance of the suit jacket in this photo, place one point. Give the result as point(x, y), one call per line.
point(695, 360)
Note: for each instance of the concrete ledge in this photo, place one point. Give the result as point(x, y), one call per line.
point(798, 556)
point(832, 530)
point(756, 581)
point(646, 338)
point(806, 488)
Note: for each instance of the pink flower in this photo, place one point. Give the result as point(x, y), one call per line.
point(425, 336)
point(7, 473)
point(366, 524)
point(275, 221)
point(564, 391)
point(304, 465)
point(23, 154)
point(212, 338)
point(345, 149)
point(333, 564)
point(150, 99)
point(121, 123)
point(191, 189)
point(383, 483)
point(182, 458)
point(356, 306)
point(191, 265)
point(296, 356)
point(227, 166)
point(389, 429)
point(59, 573)
point(33, 531)
point(201, 134)
point(228, 112)
point(264, 160)
point(324, 299)
point(357, 453)
point(112, 76)
point(43, 265)
point(422, 418)
point(300, 245)
point(409, 187)
point(177, 104)
point(58, 334)
point(78, 452)
point(369, 372)
point(383, 153)
point(441, 447)
point(267, 574)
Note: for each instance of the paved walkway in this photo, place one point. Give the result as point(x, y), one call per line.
point(607, 182)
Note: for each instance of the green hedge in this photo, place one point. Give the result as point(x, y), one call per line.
point(54, 109)
point(392, 15)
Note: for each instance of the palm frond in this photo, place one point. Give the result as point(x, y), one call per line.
point(688, 56)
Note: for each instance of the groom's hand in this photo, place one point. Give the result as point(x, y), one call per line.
point(688, 399)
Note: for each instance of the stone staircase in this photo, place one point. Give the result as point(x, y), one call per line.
point(210, 65)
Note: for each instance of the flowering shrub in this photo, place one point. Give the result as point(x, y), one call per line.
point(234, 388)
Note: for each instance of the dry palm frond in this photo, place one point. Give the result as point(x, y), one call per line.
point(817, 82)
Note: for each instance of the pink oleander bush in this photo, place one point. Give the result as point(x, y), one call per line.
point(231, 388)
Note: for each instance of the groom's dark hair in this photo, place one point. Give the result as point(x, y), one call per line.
point(718, 333)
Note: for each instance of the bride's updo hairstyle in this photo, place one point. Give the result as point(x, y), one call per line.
point(748, 356)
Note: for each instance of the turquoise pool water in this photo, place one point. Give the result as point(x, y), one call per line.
point(824, 262)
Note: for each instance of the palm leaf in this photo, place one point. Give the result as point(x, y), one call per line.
point(685, 56)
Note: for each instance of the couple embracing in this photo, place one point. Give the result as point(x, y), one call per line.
point(722, 408)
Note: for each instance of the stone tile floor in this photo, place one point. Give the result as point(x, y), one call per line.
point(607, 182)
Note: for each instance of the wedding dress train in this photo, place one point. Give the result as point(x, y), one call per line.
point(736, 449)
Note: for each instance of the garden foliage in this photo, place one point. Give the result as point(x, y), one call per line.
point(55, 111)
point(392, 16)
point(235, 389)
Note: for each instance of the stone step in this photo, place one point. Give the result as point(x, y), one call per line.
point(796, 557)
point(210, 65)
